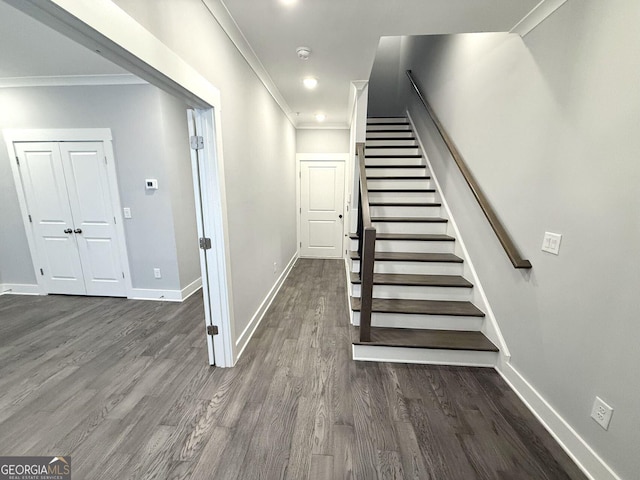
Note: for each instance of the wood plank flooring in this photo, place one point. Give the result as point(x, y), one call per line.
point(124, 387)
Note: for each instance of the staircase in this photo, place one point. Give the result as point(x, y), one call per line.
point(423, 308)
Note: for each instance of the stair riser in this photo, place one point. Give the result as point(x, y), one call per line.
point(398, 127)
point(396, 172)
point(396, 134)
point(391, 151)
point(410, 246)
point(399, 184)
point(394, 161)
point(406, 292)
point(424, 356)
point(373, 120)
point(415, 268)
point(403, 227)
point(392, 142)
point(429, 322)
point(402, 197)
point(387, 211)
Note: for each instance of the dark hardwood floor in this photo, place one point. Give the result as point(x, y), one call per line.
point(124, 387)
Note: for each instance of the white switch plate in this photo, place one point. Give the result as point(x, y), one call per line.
point(151, 184)
point(156, 273)
point(127, 212)
point(551, 242)
point(601, 413)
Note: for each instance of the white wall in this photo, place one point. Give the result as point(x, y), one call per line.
point(322, 140)
point(258, 147)
point(549, 126)
point(149, 140)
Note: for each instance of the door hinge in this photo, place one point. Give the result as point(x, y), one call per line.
point(205, 243)
point(114, 220)
point(300, 209)
point(105, 160)
point(18, 161)
point(122, 274)
point(30, 219)
point(300, 244)
point(212, 330)
point(197, 142)
point(42, 272)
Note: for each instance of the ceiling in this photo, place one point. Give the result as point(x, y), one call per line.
point(342, 34)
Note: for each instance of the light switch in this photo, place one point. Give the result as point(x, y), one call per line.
point(127, 212)
point(551, 243)
point(151, 184)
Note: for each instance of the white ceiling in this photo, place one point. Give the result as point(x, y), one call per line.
point(343, 36)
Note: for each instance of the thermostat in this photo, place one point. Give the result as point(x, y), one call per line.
point(151, 184)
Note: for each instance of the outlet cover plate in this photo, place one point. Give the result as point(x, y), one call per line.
point(551, 243)
point(601, 413)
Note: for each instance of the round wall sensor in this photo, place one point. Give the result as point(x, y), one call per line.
point(303, 53)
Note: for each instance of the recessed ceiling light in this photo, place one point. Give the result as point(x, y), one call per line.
point(288, 2)
point(310, 82)
point(320, 117)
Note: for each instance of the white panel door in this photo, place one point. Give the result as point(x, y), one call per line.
point(322, 203)
point(43, 181)
point(87, 179)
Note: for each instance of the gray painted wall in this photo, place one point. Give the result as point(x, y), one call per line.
point(258, 148)
point(322, 140)
point(549, 126)
point(149, 141)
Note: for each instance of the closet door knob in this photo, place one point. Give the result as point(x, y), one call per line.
point(77, 230)
point(68, 230)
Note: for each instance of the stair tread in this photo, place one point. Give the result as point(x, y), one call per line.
point(427, 237)
point(412, 257)
point(414, 280)
point(398, 177)
point(421, 307)
point(402, 190)
point(417, 155)
point(433, 339)
point(404, 204)
point(391, 138)
point(390, 130)
point(391, 146)
point(409, 219)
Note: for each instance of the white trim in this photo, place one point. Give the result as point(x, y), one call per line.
point(245, 336)
point(221, 14)
point(190, 289)
point(424, 356)
point(155, 294)
point(477, 285)
point(102, 135)
point(322, 126)
point(593, 466)
point(71, 80)
point(19, 289)
point(536, 16)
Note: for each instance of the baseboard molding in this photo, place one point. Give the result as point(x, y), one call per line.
point(246, 335)
point(153, 294)
point(573, 444)
point(192, 288)
point(19, 289)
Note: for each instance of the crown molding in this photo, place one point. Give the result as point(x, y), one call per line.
point(536, 16)
point(71, 80)
point(221, 14)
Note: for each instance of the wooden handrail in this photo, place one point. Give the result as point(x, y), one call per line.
point(507, 242)
point(366, 248)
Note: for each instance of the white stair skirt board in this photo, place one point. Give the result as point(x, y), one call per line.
point(410, 292)
point(19, 289)
point(245, 336)
point(573, 444)
point(427, 356)
point(424, 322)
point(413, 268)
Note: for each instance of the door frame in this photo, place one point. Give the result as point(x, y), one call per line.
point(102, 135)
point(319, 157)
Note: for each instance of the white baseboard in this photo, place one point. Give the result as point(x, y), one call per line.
point(19, 289)
point(155, 294)
point(246, 335)
point(192, 288)
point(573, 444)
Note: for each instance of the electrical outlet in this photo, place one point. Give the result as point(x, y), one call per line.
point(156, 273)
point(551, 243)
point(601, 413)
point(127, 212)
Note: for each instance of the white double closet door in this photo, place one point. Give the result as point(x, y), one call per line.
point(67, 191)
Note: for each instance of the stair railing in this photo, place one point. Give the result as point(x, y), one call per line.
point(505, 239)
point(366, 248)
